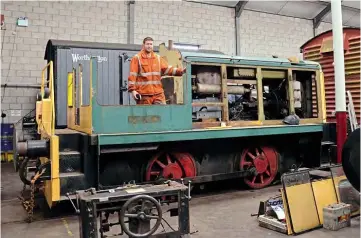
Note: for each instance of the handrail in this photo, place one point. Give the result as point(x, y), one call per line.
point(52, 98)
point(351, 112)
point(51, 88)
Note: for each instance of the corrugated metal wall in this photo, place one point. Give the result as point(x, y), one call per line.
point(320, 49)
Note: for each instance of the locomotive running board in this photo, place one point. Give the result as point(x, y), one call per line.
point(198, 179)
point(128, 149)
point(217, 177)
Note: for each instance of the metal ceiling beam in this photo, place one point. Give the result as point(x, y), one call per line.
point(238, 35)
point(350, 9)
point(239, 7)
point(317, 19)
point(131, 20)
point(210, 3)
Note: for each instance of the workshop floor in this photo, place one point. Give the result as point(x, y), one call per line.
point(218, 214)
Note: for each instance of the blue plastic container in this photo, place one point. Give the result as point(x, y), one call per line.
point(7, 131)
point(6, 146)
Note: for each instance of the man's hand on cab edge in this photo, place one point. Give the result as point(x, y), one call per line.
point(136, 95)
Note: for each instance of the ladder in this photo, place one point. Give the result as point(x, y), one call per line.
point(351, 112)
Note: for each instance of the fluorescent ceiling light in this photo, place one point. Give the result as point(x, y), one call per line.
point(185, 46)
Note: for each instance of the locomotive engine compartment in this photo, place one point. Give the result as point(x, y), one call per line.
point(242, 93)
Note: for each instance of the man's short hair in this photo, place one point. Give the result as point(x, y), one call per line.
point(148, 38)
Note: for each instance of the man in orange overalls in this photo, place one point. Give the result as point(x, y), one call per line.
point(146, 69)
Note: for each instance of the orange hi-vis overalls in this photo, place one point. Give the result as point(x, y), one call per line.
point(145, 77)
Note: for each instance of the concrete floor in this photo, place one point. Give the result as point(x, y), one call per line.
point(225, 213)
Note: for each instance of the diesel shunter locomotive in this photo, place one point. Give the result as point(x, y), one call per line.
point(226, 117)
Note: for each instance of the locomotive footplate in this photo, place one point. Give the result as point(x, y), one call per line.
point(137, 210)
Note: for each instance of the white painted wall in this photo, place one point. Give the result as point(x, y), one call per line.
point(212, 27)
point(266, 35)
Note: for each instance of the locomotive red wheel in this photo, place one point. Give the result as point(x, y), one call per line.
point(171, 166)
point(264, 162)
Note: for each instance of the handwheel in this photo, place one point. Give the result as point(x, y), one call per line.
point(142, 212)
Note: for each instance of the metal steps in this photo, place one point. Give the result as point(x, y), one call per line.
point(71, 168)
point(71, 182)
point(69, 140)
point(70, 161)
point(72, 177)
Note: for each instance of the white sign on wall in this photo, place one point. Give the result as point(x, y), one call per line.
point(15, 113)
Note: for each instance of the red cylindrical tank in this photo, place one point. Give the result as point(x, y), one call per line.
point(320, 49)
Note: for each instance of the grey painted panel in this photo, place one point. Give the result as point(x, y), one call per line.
point(82, 56)
point(128, 100)
point(108, 76)
point(108, 79)
point(63, 66)
point(113, 72)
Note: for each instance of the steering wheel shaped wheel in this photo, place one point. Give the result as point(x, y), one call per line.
point(143, 214)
